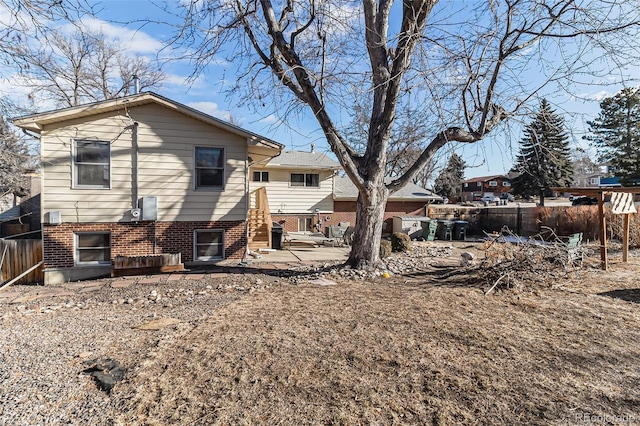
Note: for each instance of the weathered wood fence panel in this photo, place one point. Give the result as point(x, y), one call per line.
point(130, 265)
point(19, 255)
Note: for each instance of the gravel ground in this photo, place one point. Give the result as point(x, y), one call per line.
point(50, 335)
point(48, 342)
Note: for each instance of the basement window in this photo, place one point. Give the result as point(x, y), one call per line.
point(92, 248)
point(208, 244)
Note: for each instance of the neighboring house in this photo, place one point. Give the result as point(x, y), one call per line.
point(141, 175)
point(410, 200)
point(305, 193)
point(587, 180)
point(20, 212)
point(474, 189)
point(299, 187)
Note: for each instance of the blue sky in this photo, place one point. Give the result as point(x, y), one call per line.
point(494, 155)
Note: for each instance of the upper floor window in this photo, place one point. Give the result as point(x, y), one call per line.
point(209, 168)
point(91, 164)
point(493, 183)
point(595, 181)
point(505, 183)
point(305, 179)
point(466, 185)
point(478, 184)
point(261, 176)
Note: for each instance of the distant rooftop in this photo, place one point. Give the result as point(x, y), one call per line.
point(484, 178)
point(304, 160)
point(344, 189)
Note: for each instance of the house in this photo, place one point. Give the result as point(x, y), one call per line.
point(474, 189)
point(305, 193)
point(408, 201)
point(299, 187)
point(20, 210)
point(141, 175)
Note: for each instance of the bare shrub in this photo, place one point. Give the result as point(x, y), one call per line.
point(385, 248)
point(570, 220)
point(400, 242)
point(515, 261)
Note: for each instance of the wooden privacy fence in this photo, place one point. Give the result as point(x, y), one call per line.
point(18, 256)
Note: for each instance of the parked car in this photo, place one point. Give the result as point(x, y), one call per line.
point(507, 196)
point(584, 201)
point(488, 198)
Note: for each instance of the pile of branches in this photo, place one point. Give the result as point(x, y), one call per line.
point(512, 261)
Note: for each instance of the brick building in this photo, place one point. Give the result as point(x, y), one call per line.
point(141, 175)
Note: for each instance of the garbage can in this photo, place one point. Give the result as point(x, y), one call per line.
point(429, 228)
point(460, 229)
point(276, 236)
point(444, 230)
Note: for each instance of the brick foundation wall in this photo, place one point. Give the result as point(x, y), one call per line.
point(137, 239)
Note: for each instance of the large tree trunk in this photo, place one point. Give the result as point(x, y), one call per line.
point(365, 250)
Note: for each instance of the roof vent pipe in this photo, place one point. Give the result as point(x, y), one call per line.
point(313, 148)
point(136, 84)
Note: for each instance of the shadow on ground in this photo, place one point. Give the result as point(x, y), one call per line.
point(630, 294)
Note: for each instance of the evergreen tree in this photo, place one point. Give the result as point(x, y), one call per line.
point(616, 135)
point(544, 160)
point(449, 181)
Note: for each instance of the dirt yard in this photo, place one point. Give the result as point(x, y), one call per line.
point(424, 348)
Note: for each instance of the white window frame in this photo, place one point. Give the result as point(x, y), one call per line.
point(261, 176)
point(76, 248)
point(223, 168)
point(195, 245)
point(74, 168)
point(466, 184)
point(493, 183)
point(506, 183)
point(304, 220)
point(478, 184)
point(304, 177)
point(594, 181)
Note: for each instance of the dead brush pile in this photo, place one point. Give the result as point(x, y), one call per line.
point(512, 261)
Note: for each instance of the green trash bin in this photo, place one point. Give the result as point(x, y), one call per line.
point(460, 229)
point(429, 228)
point(445, 229)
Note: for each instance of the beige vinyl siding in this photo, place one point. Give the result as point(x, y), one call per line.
point(284, 198)
point(166, 142)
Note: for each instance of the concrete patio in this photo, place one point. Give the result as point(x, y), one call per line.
point(296, 254)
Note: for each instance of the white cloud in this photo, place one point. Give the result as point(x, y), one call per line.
point(134, 41)
point(269, 119)
point(597, 96)
point(211, 108)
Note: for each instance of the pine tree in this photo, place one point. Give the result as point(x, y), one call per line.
point(616, 135)
point(544, 160)
point(449, 181)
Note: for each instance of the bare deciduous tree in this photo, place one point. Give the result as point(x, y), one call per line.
point(81, 67)
point(15, 159)
point(474, 64)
